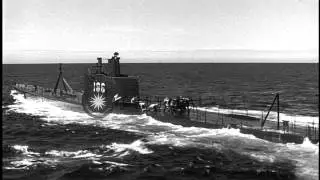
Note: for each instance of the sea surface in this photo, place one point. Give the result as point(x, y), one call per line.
point(45, 139)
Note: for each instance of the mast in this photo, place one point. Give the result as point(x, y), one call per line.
point(276, 99)
point(60, 78)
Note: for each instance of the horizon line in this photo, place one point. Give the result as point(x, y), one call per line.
point(169, 50)
point(254, 62)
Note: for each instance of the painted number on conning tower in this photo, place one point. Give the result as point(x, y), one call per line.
point(99, 87)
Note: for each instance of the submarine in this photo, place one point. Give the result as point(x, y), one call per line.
point(106, 90)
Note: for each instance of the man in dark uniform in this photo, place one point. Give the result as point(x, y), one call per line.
point(116, 60)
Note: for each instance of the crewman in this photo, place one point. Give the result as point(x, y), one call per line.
point(116, 60)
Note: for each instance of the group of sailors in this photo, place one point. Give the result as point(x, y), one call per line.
point(179, 104)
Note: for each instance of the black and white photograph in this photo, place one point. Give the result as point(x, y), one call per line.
point(160, 90)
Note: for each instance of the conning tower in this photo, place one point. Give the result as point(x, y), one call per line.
point(106, 82)
point(111, 68)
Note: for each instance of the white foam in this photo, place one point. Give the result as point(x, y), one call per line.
point(32, 158)
point(51, 110)
point(309, 145)
point(24, 150)
point(306, 146)
point(306, 156)
point(137, 146)
point(76, 154)
point(24, 163)
point(27, 162)
point(15, 168)
point(263, 157)
point(297, 119)
point(116, 163)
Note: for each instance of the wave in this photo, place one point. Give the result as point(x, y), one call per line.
point(76, 154)
point(28, 159)
point(24, 150)
point(122, 149)
point(307, 146)
point(53, 158)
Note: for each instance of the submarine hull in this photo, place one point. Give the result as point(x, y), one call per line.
point(194, 118)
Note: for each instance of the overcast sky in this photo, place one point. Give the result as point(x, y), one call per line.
point(212, 30)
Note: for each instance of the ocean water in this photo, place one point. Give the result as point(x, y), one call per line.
point(45, 139)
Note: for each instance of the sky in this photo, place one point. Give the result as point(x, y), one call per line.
point(48, 31)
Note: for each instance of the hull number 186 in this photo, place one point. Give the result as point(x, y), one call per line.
point(98, 87)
